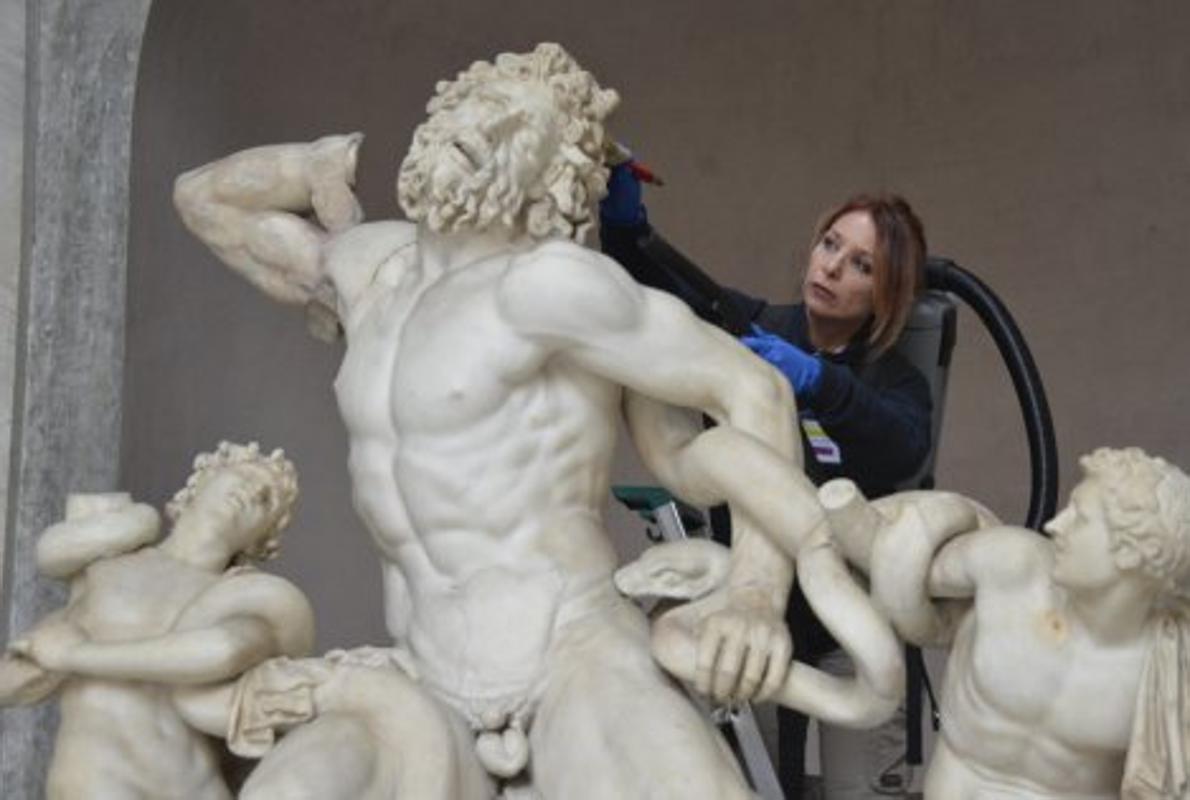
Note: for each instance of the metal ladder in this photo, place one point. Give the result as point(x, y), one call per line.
point(669, 519)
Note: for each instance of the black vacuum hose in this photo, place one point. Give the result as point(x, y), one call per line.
point(945, 275)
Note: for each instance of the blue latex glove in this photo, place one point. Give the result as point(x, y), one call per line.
point(803, 370)
point(622, 206)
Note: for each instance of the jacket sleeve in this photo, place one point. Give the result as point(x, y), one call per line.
point(882, 424)
point(654, 262)
point(623, 243)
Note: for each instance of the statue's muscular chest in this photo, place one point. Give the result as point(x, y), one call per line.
point(1051, 677)
point(137, 595)
point(434, 354)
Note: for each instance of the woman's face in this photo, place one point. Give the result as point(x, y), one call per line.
point(839, 283)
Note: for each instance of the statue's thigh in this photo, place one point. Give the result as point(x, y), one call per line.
point(612, 725)
point(333, 756)
point(384, 738)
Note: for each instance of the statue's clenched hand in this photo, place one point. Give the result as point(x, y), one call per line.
point(50, 644)
point(24, 682)
point(331, 172)
point(744, 647)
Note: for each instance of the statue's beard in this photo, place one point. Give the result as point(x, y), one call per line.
point(451, 189)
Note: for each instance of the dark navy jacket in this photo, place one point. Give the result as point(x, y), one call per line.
point(875, 413)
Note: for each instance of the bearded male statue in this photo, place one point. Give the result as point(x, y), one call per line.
point(487, 357)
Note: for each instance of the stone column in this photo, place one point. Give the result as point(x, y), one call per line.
point(79, 69)
point(12, 139)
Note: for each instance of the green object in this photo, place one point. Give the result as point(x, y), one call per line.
point(645, 500)
point(642, 499)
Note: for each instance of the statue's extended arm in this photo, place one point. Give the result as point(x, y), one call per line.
point(67, 547)
point(597, 317)
point(180, 657)
point(238, 623)
point(268, 211)
point(925, 552)
point(1005, 556)
point(691, 568)
point(915, 519)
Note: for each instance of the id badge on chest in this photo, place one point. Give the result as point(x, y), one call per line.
point(824, 448)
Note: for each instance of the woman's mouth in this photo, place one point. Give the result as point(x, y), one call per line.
point(822, 293)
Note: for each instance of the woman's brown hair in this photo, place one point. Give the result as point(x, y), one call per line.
point(899, 271)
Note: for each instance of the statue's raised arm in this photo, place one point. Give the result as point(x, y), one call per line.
point(269, 212)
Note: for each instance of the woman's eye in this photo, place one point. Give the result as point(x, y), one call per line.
point(863, 265)
point(830, 243)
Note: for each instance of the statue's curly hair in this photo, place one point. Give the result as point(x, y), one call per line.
point(1147, 504)
point(228, 454)
point(576, 177)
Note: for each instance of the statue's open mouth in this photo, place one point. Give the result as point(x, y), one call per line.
point(470, 154)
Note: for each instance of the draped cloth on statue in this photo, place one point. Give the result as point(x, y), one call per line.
point(276, 694)
point(1158, 764)
point(279, 694)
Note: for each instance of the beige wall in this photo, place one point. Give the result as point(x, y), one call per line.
point(1045, 144)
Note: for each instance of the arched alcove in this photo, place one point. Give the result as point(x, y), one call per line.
point(1042, 143)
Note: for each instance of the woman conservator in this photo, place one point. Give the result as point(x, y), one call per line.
point(864, 411)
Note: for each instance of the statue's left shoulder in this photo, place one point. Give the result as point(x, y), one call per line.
point(563, 287)
point(557, 251)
